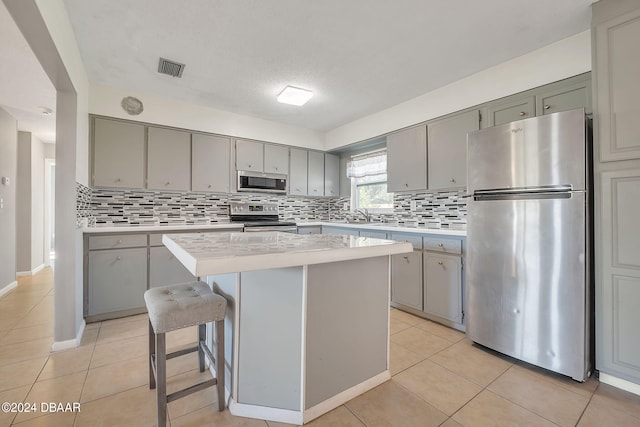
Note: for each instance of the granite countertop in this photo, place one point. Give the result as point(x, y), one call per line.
point(229, 252)
point(238, 226)
point(387, 227)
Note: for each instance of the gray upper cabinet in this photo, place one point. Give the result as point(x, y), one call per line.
point(447, 150)
point(331, 175)
point(276, 159)
point(298, 172)
point(315, 181)
point(510, 109)
point(168, 159)
point(210, 161)
point(345, 182)
point(118, 154)
point(407, 160)
point(563, 97)
point(249, 156)
point(616, 71)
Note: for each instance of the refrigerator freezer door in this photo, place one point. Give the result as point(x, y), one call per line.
point(537, 152)
point(526, 292)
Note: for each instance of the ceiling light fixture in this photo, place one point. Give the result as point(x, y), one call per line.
point(294, 96)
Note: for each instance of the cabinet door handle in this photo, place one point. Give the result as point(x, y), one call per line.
point(209, 186)
point(406, 258)
point(276, 168)
point(522, 113)
point(168, 182)
point(546, 107)
point(441, 245)
point(406, 184)
point(118, 258)
point(452, 180)
point(119, 241)
point(117, 179)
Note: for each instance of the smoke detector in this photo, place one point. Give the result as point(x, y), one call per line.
point(171, 68)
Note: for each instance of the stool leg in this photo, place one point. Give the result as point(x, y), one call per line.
point(161, 371)
point(152, 353)
point(202, 339)
point(219, 326)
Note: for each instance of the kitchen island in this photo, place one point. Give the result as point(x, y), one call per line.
point(307, 324)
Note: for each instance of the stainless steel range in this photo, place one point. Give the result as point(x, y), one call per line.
point(259, 217)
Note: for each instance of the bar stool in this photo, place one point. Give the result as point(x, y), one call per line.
point(175, 307)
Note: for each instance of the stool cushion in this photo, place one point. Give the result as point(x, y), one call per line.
point(186, 304)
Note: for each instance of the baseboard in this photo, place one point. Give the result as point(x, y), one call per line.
point(8, 288)
point(31, 272)
point(68, 344)
point(619, 383)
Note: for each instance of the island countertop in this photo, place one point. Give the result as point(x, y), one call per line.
point(230, 252)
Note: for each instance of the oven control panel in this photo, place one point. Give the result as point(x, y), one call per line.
point(253, 208)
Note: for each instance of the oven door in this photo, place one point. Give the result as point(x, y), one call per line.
point(282, 228)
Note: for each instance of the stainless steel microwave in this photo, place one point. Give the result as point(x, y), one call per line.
point(262, 182)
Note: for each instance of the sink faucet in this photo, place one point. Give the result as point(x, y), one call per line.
point(365, 213)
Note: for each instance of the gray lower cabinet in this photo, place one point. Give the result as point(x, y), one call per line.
point(117, 279)
point(406, 279)
point(165, 269)
point(119, 268)
point(406, 273)
point(443, 286)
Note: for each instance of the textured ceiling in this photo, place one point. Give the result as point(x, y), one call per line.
point(24, 86)
point(357, 56)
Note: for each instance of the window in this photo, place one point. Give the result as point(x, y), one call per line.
point(368, 173)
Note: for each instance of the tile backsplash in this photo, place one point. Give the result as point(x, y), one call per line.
point(100, 206)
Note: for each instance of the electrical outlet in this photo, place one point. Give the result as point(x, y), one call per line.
point(412, 205)
point(345, 206)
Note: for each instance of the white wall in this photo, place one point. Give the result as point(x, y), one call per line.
point(106, 101)
point(551, 63)
point(46, 27)
point(8, 162)
point(30, 203)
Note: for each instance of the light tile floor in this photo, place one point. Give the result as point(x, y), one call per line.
point(439, 379)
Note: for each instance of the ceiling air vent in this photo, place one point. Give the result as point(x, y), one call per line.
point(174, 69)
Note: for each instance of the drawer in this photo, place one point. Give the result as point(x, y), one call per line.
point(373, 234)
point(415, 240)
point(439, 244)
point(117, 241)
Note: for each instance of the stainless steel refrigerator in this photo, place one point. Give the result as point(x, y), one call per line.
point(528, 233)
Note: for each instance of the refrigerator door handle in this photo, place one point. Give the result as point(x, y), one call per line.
point(528, 194)
point(533, 190)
